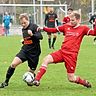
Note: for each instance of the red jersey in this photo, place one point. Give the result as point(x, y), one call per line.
point(66, 19)
point(73, 36)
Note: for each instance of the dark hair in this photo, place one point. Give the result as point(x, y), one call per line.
point(70, 9)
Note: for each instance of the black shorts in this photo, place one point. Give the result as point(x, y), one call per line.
point(30, 58)
point(50, 27)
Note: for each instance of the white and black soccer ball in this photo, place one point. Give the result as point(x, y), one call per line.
point(28, 77)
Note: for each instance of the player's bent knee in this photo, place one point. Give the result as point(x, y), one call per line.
point(48, 59)
point(13, 65)
point(70, 80)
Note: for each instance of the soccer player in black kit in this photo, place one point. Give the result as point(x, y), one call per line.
point(51, 21)
point(93, 21)
point(30, 50)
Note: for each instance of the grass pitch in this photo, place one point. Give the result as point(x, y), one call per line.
point(54, 82)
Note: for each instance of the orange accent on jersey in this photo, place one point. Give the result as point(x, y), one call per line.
point(28, 42)
point(51, 20)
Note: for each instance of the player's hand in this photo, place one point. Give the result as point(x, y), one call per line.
point(30, 33)
point(39, 28)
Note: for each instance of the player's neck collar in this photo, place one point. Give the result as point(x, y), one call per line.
point(77, 25)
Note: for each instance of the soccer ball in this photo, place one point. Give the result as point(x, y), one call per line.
point(28, 77)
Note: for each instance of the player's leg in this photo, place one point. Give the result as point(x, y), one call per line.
point(5, 31)
point(70, 65)
point(33, 61)
point(55, 57)
point(48, 59)
point(76, 79)
point(49, 39)
point(16, 61)
point(31, 70)
point(54, 39)
point(20, 57)
point(32, 64)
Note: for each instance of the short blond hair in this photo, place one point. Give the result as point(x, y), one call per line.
point(24, 15)
point(76, 14)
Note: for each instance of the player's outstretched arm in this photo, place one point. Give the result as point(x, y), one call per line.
point(38, 35)
point(50, 30)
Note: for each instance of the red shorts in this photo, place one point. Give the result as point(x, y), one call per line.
point(69, 58)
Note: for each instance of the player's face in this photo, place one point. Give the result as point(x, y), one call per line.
point(24, 23)
point(51, 9)
point(74, 21)
point(69, 12)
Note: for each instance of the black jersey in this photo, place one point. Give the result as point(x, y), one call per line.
point(50, 19)
point(30, 50)
point(32, 43)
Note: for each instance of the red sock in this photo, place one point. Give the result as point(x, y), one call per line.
point(80, 81)
point(40, 73)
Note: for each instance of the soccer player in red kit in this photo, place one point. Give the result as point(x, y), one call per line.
point(74, 33)
point(66, 19)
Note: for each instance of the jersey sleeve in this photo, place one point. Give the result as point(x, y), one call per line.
point(60, 28)
point(54, 30)
point(50, 30)
point(89, 31)
point(37, 33)
point(35, 27)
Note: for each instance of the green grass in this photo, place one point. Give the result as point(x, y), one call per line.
point(54, 82)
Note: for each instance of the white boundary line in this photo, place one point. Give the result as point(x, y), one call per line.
point(12, 5)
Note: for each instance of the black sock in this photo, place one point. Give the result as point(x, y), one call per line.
point(49, 42)
point(9, 73)
point(54, 39)
point(94, 39)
